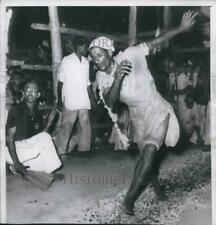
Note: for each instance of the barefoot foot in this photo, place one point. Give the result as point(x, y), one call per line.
point(127, 210)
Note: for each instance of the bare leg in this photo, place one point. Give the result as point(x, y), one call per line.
point(161, 154)
point(62, 137)
point(84, 131)
point(141, 177)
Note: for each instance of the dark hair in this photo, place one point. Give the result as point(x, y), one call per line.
point(30, 80)
point(78, 41)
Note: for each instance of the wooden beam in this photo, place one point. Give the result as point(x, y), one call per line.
point(167, 18)
point(167, 23)
point(189, 50)
point(37, 67)
point(24, 66)
point(48, 68)
point(132, 29)
point(91, 34)
point(15, 62)
point(55, 43)
point(73, 31)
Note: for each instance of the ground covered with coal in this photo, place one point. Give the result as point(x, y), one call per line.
point(187, 186)
point(183, 207)
point(95, 184)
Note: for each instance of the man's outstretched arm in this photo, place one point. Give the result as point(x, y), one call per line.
point(113, 95)
point(187, 22)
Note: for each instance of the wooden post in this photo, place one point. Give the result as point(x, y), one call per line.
point(166, 18)
point(55, 43)
point(4, 23)
point(166, 22)
point(132, 32)
point(213, 111)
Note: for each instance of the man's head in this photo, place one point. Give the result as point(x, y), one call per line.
point(101, 50)
point(30, 91)
point(80, 45)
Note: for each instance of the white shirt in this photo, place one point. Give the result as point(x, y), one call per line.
point(138, 88)
point(74, 74)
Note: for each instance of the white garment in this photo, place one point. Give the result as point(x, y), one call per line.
point(37, 152)
point(138, 91)
point(74, 74)
point(137, 88)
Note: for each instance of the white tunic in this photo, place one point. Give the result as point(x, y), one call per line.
point(74, 74)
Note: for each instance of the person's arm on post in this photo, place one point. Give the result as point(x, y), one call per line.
point(187, 22)
point(61, 77)
point(58, 106)
point(20, 168)
point(59, 92)
point(51, 117)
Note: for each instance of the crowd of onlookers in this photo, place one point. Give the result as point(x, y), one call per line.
point(185, 82)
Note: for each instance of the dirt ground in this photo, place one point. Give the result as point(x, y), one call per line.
point(95, 184)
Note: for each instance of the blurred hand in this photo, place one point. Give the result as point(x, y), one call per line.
point(20, 168)
point(188, 20)
point(123, 69)
point(60, 105)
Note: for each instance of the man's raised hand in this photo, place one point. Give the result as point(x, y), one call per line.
point(123, 69)
point(188, 20)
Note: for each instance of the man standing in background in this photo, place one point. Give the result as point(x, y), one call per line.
point(73, 99)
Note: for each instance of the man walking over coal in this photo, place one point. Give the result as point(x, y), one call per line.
point(126, 78)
